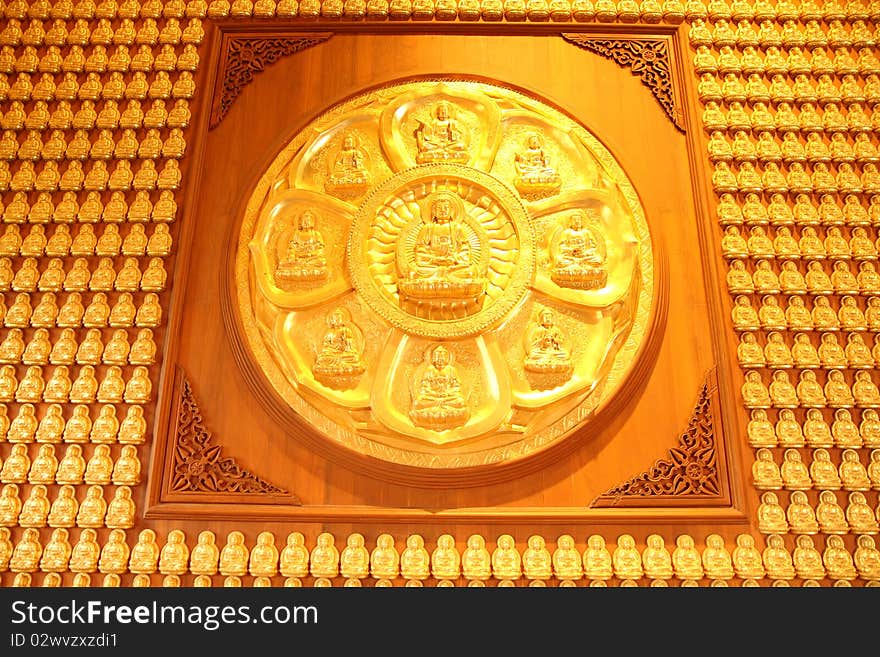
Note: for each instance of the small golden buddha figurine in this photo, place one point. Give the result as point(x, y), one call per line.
point(354, 562)
point(86, 552)
point(784, 395)
point(831, 354)
point(831, 516)
point(205, 555)
point(872, 313)
point(838, 392)
point(626, 559)
point(765, 279)
point(64, 509)
point(415, 562)
point(121, 509)
point(837, 559)
point(154, 276)
point(747, 562)
point(776, 351)
point(738, 279)
point(294, 558)
point(8, 383)
point(56, 553)
point(38, 349)
point(93, 508)
point(6, 548)
point(784, 244)
point(686, 560)
point(58, 387)
point(771, 516)
point(24, 426)
point(656, 559)
point(27, 552)
point(116, 350)
point(860, 515)
point(132, 430)
point(115, 554)
point(77, 278)
point(807, 559)
point(744, 316)
point(749, 352)
point(143, 349)
point(139, 387)
point(72, 466)
point(110, 242)
point(324, 559)
point(26, 277)
point(800, 515)
point(35, 509)
point(777, 560)
point(78, 426)
point(90, 349)
point(31, 386)
point(174, 555)
point(179, 115)
point(853, 475)
point(12, 347)
point(765, 472)
point(144, 557)
point(348, 174)
point(506, 561)
point(754, 392)
point(44, 465)
point(760, 429)
point(127, 469)
point(169, 177)
point(858, 355)
point(728, 211)
point(112, 386)
point(264, 556)
point(733, 244)
point(438, 399)
point(123, 313)
point(869, 428)
point(304, 260)
point(159, 243)
point(803, 353)
point(476, 560)
point(10, 506)
point(85, 242)
point(866, 558)
point(99, 466)
point(135, 243)
point(822, 315)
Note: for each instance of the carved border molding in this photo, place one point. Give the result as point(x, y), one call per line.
point(198, 464)
point(690, 469)
point(243, 57)
point(647, 58)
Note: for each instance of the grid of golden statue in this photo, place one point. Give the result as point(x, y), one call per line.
point(443, 262)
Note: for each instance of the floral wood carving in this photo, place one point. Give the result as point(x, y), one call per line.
point(646, 58)
point(245, 57)
point(199, 464)
point(691, 468)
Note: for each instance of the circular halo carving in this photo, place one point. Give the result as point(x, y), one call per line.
point(448, 300)
point(444, 276)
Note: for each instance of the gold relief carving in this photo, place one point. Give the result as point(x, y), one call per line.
point(198, 463)
point(244, 57)
point(454, 304)
point(647, 58)
point(691, 468)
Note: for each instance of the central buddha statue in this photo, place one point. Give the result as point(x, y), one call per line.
point(442, 272)
point(438, 401)
point(577, 255)
point(534, 174)
point(304, 260)
point(442, 138)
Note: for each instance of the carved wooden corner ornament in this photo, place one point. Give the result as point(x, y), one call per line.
point(690, 470)
point(646, 58)
point(243, 57)
point(198, 462)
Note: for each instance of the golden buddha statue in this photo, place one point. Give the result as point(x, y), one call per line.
point(58, 387)
point(546, 346)
point(782, 393)
point(64, 509)
point(109, 243)
point(442, 137)
point(85, 554)
point(304, 260)
point(794, 473)
point(872, 313)
point(771, 516)
point(25, 279)
point(179, 115)
point(765, 279)
point(132, 430)
point(733, 244)
point(27, 552)
point(159, 243)
point(837, 559)
point(822, 315)
point(777, 560)
point(744, 316)
point(860, 516)
point(438, 399)
point(174, 555)
point(115, 554)
point(12, 347)
point(124, 313)
point(71, 467)
point(19, 313)
point(38, 348)
point(24, 426)
point(144, 557)
point(44, 465)
point(717, 561)
point(127, 468)
point(415, 562)
point(349, 173)
point(800, 515)
point(31, 386)
point(626, 560)
point(749, 352)
point(8, 383)
point(56, 553)
point(154, 275)
point(112, 386)
point(868, 278)
point(831, 516)
point(78, 425)
point(324, 559)
point(776, 352)
point(35, 509)
point(853, 475)
point(476, 560)
point(143, 349)
point(765, 473)
point(205, 555)
point(139, 387)
point(294, 558)
point(121, 509)
point(858, 355)
point(45, 312)
point(864, 390)
point(831, 354)
point(869, 428)
point(804, 354)
point(686, 560)
point(99, 467)
point(866, 558)
point(656, 559)
point(535, 176)
point(844, 430)
point(354, 562)
point(116, 350)
point(807, 559)
point(506, 561)
point(93, 508)
point(747, 561)
point(90, 349)
point(135, 243)
point(10, 505)
point(169, 177)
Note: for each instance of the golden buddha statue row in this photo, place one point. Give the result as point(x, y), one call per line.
point(828, 516)
point(97, 59)
point(802, 313)
point(783, 351)
point(81, 32)
point(808, 33)
point(805, 243)
point(86, 241)
point(808, 392)
point(813, 430)
point(52, 427)
point(777, 212)
point(821, 473)
point(107, 115)
point(126, 145)
point(85, 388)
point(804, 561)
point(792, 148)
point(772, 60)
point(785, 119)
point(101, 276)
point(771, 179)
point(43, 86)
point(65, 510)
point(76, 310)
point(799, 277)
point(45, 468)
point(91, 209)
point(49, 177)
point(66, 350)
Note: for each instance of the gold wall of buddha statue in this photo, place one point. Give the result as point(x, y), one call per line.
point(472, 283)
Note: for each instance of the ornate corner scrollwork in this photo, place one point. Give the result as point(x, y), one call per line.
point(646, 58)
point(199, 465)
point(691, 468)
point(244, 57)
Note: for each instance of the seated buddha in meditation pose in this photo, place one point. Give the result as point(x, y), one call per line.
point(441, 138)
point(304, 259)
point(577, 256)
point(438, 401)
point(547, 346)
point(534, 174)
point(348, 172)
point(442, 266)
point(341, 348)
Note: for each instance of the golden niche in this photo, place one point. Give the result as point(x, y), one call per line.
point(445, 274)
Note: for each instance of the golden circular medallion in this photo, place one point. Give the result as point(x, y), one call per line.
point(444, 275)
